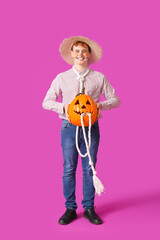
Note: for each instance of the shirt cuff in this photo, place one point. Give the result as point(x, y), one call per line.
point(106, 105)
point(60, 108)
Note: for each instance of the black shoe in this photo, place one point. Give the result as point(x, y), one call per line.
point(67, 217)
point(92, 216)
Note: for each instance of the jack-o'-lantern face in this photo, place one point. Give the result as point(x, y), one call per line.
point(82, 104)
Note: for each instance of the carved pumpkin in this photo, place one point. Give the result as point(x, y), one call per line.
point(82, 103)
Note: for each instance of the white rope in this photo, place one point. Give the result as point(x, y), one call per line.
point(80, 77)
point(99, 188)
point(89, 137)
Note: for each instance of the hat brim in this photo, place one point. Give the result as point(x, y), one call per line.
point(65, 49)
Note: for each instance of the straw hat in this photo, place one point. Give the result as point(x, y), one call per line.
point(65, 49)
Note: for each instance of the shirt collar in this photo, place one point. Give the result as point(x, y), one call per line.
point(85, 72)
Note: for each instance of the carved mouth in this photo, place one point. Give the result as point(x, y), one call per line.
point(82, 112)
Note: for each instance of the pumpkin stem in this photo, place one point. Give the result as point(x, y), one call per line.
point(83, 90)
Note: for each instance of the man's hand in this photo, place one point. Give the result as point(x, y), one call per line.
point(99, 107)
point(65, 109)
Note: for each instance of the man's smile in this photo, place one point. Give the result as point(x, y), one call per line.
point(80, 58)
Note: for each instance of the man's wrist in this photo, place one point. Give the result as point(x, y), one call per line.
point(99, 105)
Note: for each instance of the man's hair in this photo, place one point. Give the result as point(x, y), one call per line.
point(81, 43)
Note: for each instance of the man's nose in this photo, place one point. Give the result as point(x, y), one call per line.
point(80, 53)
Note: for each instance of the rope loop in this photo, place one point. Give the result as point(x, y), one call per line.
point(84, 134)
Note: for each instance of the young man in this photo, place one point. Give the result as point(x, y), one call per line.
point(79, 52)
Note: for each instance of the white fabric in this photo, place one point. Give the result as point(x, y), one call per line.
point(67, 85)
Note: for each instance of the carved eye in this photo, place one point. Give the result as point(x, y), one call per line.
point(77, 102)
point(88, 102)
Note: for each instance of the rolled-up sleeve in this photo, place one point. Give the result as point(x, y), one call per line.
point(112, 101)
point(54, 91)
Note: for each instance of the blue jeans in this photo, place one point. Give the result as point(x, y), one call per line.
point(70, 159)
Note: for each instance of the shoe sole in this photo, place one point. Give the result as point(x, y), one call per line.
point(61, 223)
point(91, 221)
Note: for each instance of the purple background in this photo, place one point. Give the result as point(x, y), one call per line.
point(31, 158)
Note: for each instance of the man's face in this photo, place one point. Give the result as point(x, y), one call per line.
point(80, 54)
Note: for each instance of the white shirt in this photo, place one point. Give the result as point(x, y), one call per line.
point(68, 85)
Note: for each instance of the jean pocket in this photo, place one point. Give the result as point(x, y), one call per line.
point(65, 124)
